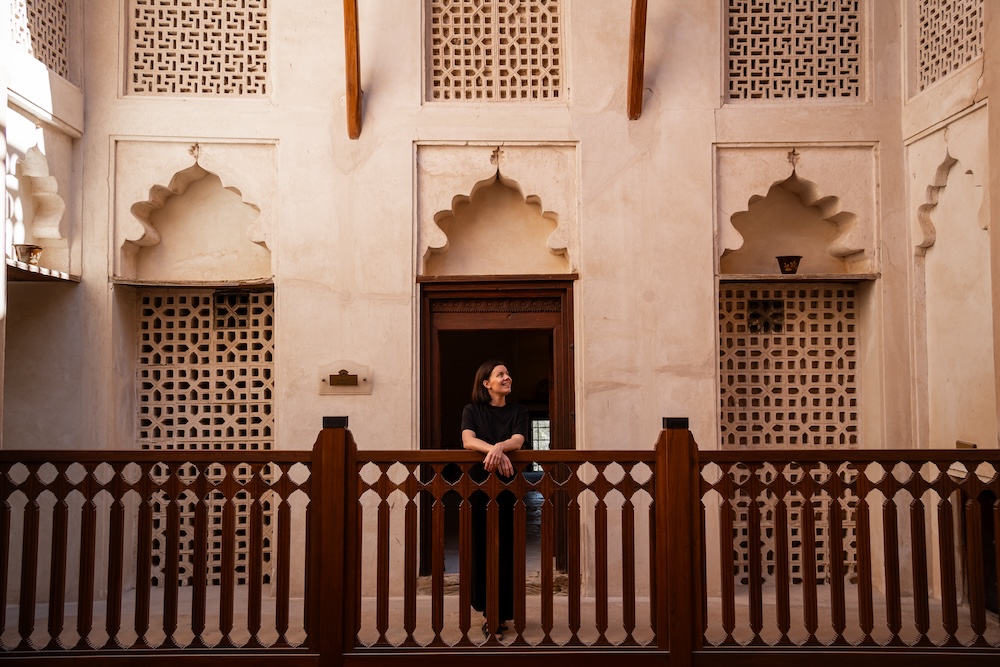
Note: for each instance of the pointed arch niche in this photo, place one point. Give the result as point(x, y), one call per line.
point(814, 202)
point(193, 213)
point(496, 210)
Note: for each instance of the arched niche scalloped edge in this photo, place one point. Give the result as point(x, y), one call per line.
point(925, 220)
point(439, 243)
point(49, 205)
point(146, 235)
point(808, 193)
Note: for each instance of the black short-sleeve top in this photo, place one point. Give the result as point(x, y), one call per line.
point(493, 424)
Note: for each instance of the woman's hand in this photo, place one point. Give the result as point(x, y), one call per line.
point(497, 459)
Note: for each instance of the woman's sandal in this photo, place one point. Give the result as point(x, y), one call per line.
point(498, 635)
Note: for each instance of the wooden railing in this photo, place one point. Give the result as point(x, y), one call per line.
point(889, 551)
point(341, 557)
point(86, 533)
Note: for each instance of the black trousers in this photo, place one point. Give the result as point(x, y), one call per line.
point(501, 543)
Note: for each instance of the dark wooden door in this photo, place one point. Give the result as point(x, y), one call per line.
point(525, 321)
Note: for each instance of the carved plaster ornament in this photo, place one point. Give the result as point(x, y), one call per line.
point(50, 207)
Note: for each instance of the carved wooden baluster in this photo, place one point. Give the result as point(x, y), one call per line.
point(199, 556)
point(975, 582)
point(171, 559)
point(116, 543)
point(628, 558)
point(283, 565)
point(5, 490)
point(921, 596)
point(520, 558)
point(29, 558)
point(807, 516)
point(410, 551)
point(57, 558)
point(755, 573)
point(143, 554)
point(227, 593)
point(465, 555)
point(548, 520)
point(654, 584)
point(781, 557)
point(890, 538)
point(727, 526)
point(255, 552)
point(573, 571)
point(88, 560)
point(437, 554)
point(382, 554)
point(946, 552)
point(600, 487)
point(835, 540)
point(863, 536)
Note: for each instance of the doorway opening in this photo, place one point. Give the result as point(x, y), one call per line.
point(527, 323)
point(528, 355)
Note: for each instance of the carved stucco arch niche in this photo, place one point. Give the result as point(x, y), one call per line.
point(816, 202)
point(496, 210)
point(190, 213)
point(953, 285)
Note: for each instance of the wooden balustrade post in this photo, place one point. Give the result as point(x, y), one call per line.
point(677, 466)
point(328, 542)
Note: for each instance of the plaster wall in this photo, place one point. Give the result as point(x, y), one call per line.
point(345, 221)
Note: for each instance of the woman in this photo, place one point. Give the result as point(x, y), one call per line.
point(493, 427)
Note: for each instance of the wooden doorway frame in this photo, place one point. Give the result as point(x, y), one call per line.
point(498, 303)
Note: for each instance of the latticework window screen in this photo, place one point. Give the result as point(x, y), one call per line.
point(788, 362)
point(40, 28)
point(950, 37)
point(789, 379)
point(794, 49)
point(205, 381)
point(210, 47)
point(494, 50)
point(795, 504)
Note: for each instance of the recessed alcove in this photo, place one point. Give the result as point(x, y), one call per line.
point(193, 213)
point(38, 215)
point(791, 219)
point(496, 210)
point(496, 230)
point(817, 202)
point(195, 230)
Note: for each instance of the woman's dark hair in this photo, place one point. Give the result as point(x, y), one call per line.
point(479, 393)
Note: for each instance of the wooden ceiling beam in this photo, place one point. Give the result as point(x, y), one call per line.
point(352, 64)
point(636, 58)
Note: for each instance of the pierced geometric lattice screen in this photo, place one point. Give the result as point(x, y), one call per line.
point(494, 50)
point(206, 369)
point(795, 504)
point(794, 49)
point(205, 381)
point(40, 29)
point(210, 47)
point(788, 365)
point(950, 36)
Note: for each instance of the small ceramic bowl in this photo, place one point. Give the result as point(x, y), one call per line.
point(28, 253)
point(788, 263)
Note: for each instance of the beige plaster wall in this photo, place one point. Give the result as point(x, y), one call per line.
point(345, 221)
